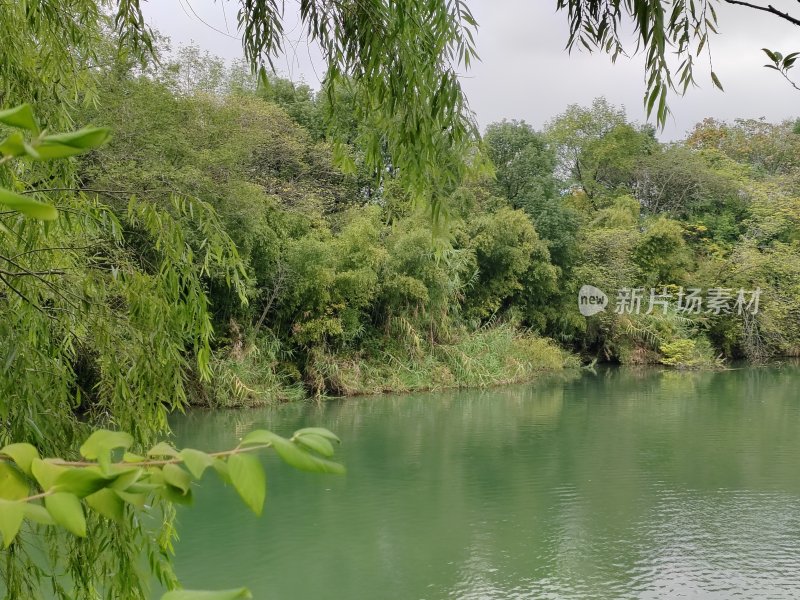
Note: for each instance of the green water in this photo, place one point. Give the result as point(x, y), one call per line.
point(624, 484)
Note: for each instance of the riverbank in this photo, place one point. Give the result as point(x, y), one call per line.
point(498, 355)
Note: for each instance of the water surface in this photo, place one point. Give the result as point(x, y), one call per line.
point(624, 484)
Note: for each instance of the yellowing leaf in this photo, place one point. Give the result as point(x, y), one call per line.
point(11, 516)
point(22, 454)
point(45, 472)
point(67, 511)
point(13, 485)
point(107, 503)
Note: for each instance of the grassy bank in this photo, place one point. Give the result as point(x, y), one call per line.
point(496, 355)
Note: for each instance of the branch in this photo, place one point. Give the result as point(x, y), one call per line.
point(770, 9)
point(147, 463)
point(24, 297)
point(31, 273)
point(786, 77)
point(80, 189)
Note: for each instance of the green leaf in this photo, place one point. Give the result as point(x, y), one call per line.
point(13, 145)
point(221, 467)
point(81, 481)
point(22, 454)
point(46, 473)
point(652, 100)
point(315, 442)
point(715, 79)
point(67, 511)
point(258, 437)
point(63, 145)
point(13, 485)
point(248, 478)
point(11, 516)
point(175, 495)
point(196, 461)
point(28, 206)
point(126, 478)
point(319, 431)
point(38, 513)
point(104, 441)
point(240, 594)
point(107, 503)
point(20, 116)
point(177, 477)
point(300, 459)
point(162, 449)
point(771, 55)
point(133, 499)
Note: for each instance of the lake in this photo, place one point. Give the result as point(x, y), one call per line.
point(626, 483)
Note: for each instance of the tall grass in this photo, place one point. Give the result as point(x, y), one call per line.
point(255, 374)
point(500, 354)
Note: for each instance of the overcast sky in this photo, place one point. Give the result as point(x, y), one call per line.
point(525, 73)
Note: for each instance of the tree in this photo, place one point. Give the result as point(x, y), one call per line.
point(523, 164)
point(597, 148)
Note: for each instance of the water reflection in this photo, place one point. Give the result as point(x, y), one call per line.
point(624, 484)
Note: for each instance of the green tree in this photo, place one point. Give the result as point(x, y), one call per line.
point(597, 149)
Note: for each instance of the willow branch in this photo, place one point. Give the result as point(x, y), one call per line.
point(770, 9)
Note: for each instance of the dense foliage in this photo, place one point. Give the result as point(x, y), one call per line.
point(349, 294)
point(244, 240)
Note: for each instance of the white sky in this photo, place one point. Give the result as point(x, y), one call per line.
point(525, 73)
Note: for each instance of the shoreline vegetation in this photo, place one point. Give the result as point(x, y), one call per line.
point(497, 355)
point(348, 290)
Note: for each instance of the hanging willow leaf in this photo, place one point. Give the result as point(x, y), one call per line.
point(716, 81)
point(20, 116)
point(28, 206)
point(63, 145)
